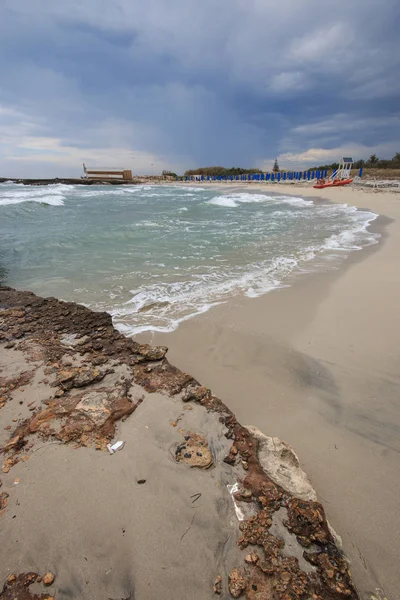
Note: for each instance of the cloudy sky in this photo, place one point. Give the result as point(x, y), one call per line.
point(184, 83)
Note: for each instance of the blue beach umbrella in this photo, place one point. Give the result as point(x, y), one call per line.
point(279, 176)
point(360, 172)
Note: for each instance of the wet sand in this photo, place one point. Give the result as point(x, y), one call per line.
point(318, 364)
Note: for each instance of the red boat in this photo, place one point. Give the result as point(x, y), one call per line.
point(321, 183)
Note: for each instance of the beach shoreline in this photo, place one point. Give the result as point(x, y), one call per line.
point(87, 525)
point(316, 364)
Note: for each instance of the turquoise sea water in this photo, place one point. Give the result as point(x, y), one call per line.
point(156, 255)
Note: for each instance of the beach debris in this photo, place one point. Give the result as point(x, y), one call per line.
point(196, 497)
point(237, 584)
point(378, 594)
point(217, 587)
point(141, 481)
point(16, 587)
point(10, 384)
point(115, 447)
point(48, 578)
point(10, 462)
point(233, 489)
point(176, 421)
point(194, 451)
point(3, 501)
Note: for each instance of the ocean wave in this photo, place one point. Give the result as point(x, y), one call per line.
point(174, 264)
point(233, 200)
point(188, 188)
point(356, 237)
point(224, 201)
point(51, 194)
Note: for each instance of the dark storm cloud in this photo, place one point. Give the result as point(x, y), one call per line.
point(185, 83)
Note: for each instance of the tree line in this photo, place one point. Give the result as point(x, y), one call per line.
point(372, 162)
point(220, 171)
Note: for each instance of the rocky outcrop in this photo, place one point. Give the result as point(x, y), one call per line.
point(91, 376)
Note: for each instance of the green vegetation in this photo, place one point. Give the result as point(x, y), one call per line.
point(372, 163)
point(220, 171)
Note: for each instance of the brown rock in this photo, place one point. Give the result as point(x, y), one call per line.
point(151, 352)
point(195, 392)
point(13, 442)
point(236, 584)
point(48, 578)
point(252, 559)
point(3, 500)
point(217, 587)
point(194, 451)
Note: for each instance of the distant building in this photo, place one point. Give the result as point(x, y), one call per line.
point(109, 173)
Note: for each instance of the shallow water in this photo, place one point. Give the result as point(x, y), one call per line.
point(154, 256)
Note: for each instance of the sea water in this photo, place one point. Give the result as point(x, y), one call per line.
point(154, 256)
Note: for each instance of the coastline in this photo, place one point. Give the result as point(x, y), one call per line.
point(307, 363)
point(317, 365)
point(194, 504)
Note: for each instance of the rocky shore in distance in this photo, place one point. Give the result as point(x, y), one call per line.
point(71, 181)
point(69, 383)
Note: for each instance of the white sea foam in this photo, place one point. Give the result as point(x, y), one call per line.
point(51, 194)
point(188, 188)
point(233, 200)
point(357, 236)
point(223, 201)
point(179, 263)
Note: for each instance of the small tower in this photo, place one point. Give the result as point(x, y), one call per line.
point(344, 169)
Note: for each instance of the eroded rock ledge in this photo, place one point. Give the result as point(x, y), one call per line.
point(91, 376)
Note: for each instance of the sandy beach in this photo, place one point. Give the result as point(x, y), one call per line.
point(192, 505)
point(317, 364)
point(195, 504)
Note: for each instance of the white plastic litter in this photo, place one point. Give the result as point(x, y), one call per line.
point(117, 446)
point(232, 489)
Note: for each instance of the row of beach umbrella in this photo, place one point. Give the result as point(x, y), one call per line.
point(285, 176)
